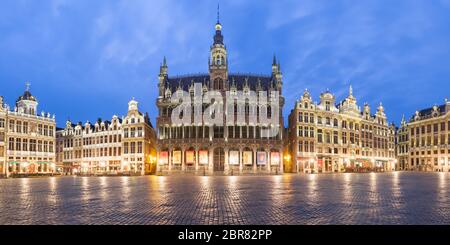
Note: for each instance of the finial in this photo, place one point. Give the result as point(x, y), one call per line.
point(274, 62)
point(350, 90)
point(218, 13)
point(27, 84)
point(164, 61)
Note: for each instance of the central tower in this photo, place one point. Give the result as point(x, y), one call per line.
point(218, 61)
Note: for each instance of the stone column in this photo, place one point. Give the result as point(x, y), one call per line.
point(227, 167)
point(254, 160)
point(196, 158)
point(169, 156)
point(183, 162)
point(241, 164)
point(210, 163)
point(281, 169)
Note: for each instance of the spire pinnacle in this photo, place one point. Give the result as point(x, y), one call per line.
point(218, 13)
point(350, 90)
point(27, 84)
point(164, 61)
point(274, 62)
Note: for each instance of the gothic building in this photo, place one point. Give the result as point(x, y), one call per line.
point(230, 147)
point(27, 140)
point(424, 140)
point(339, 137)
point(122, 146)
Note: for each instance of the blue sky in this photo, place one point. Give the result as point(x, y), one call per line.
point(86, 59)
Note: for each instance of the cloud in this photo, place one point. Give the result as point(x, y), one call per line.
point(284, 12)
point(366, 46)
point(390, 51)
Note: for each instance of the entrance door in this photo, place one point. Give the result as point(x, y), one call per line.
point(219, 159)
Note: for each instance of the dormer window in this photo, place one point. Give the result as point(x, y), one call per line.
point(327, 105)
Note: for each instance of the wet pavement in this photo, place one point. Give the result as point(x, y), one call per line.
point(383, 198)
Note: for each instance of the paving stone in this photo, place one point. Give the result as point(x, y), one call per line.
point(382, 198)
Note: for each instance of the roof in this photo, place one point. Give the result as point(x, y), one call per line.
point(27, 96)
point(238, 79)
point(428, 112)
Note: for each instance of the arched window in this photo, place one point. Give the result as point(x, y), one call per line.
point(218, 60)
point(218, 84)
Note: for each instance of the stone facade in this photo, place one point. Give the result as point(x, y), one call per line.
point(124, 146)
point(330, 137)
point(229, 148)
point(27, 140)
point(424, 140)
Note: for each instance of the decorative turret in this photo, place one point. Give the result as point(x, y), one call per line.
point(306, 95)
point(274, 65)
point(163, 67)
point(381, 108)
point(132, 105)
point(350, 92)
point(447, 105)
point(366, 111)
point(218, 61)
point(305, 100)
point(349, 104)
point(403, 123)
point(380, 115)
point(27, 103)
point(162, 77)
point(276, 73)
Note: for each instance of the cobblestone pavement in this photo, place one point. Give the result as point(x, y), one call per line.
point(384, 198)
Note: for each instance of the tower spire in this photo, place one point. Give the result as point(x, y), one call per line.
point(218, 13)
point(27, 84)
point(218, 38)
